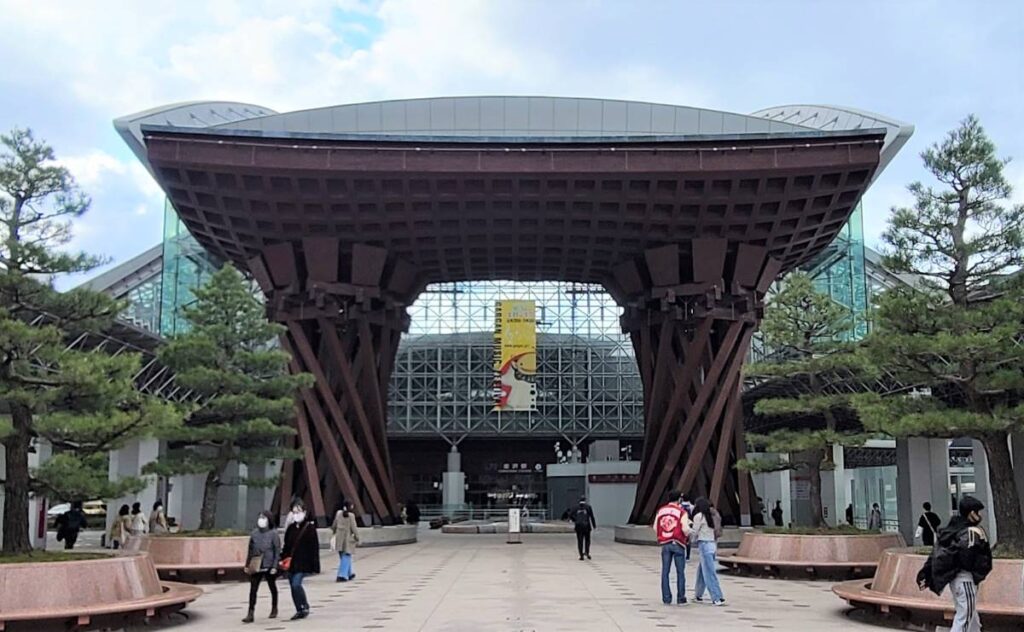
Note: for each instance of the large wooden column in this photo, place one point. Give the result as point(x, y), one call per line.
point(344, 309)
point(690, 315)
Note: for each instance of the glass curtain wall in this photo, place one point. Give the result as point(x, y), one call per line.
point(186, 266)
point(840, 272)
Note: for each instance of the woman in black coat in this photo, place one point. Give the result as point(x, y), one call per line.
point(302, 547)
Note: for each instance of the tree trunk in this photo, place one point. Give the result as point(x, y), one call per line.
point(208, 514)
point(814, 475)
point(1006, 501)
point(16, 482)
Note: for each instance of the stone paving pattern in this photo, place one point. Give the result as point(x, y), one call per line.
point(480, 583)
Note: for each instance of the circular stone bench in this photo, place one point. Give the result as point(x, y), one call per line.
point(77, 595)
point(826, 556)
point(643, 535)
point(893, 592)
point(384, 536)
point(195, 559)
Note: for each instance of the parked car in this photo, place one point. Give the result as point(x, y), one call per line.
point(95, 512)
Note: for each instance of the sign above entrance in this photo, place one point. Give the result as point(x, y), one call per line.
point(613, 478)
point(515, 355)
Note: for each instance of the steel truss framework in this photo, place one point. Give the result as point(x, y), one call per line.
point(152, 378)
point(686, 235)
point(587, 379)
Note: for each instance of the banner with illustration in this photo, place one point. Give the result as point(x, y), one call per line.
point(515, 355)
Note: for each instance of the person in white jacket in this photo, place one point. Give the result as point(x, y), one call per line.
point(703, 531)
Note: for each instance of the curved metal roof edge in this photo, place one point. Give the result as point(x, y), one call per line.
point(898, 132)
point(128, 126)
point(496, 96)
point(563, 140)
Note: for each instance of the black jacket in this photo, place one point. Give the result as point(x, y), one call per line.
point(583, 518)
point(72, 520)
point(302, 544)
point(961, 547)
point(929, 523)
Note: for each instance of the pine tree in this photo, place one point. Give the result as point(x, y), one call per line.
point(246, 392)
point(960, 339)
point(83, 404)
point(803, 327)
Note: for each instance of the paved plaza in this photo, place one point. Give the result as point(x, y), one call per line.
point(480, 583)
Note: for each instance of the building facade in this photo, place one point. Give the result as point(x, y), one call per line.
point(719, 211)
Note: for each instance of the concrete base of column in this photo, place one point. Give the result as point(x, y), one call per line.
point(128, 462)
point(983, 489)
point(922, 476)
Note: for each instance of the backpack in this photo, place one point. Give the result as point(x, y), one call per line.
point(581, 518)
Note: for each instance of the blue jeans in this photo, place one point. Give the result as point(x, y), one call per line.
point(298, 592)
point(345, 565)
point(673, 552)
point(707, 572)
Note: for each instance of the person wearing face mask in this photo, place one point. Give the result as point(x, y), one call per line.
point(302, 555)
point(264, 556)
point(961, 559)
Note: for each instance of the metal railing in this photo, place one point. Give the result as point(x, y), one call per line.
point(888, 524)
point(469, 512)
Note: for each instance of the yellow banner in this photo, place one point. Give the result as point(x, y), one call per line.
point(515, 355)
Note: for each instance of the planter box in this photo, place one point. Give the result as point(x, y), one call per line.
point(893, 591)
point(99, 593)
point(643, 535)
point(811, 555)
point(386, 536)
point(198, 559)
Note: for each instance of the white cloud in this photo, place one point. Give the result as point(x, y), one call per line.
point(90, 169)
point(103, 59)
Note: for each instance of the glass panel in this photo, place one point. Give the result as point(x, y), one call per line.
point(186, 266)
point(587, 380)
point(143, 308)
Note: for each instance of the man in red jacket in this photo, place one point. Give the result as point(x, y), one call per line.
point(672, 526)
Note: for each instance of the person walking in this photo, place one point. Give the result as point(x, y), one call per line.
point(261, 563)
point(139, 524)
point(698, 585)
point(928, 525)
point(69, 524)
point(703, 531)
point(962, 560)
point(672, 527)
point(121, 528)
point(301, 556)
point(777, 513)
point(344, 540)
point(157, 519)
point(875, 519)
point(412, 512)
point(584, 522)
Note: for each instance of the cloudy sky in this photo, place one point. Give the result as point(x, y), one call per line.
point(69, 68)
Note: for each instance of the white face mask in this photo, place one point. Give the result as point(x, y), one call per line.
point(262, 522)
point(299, 516)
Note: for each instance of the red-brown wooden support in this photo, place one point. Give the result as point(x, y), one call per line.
point(344, 310)
point(690, 316)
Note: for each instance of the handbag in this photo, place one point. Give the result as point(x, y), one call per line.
point(254, 565)
point(285, 564)
point(918, 532)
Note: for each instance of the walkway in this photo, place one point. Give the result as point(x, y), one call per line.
point(480, 583)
